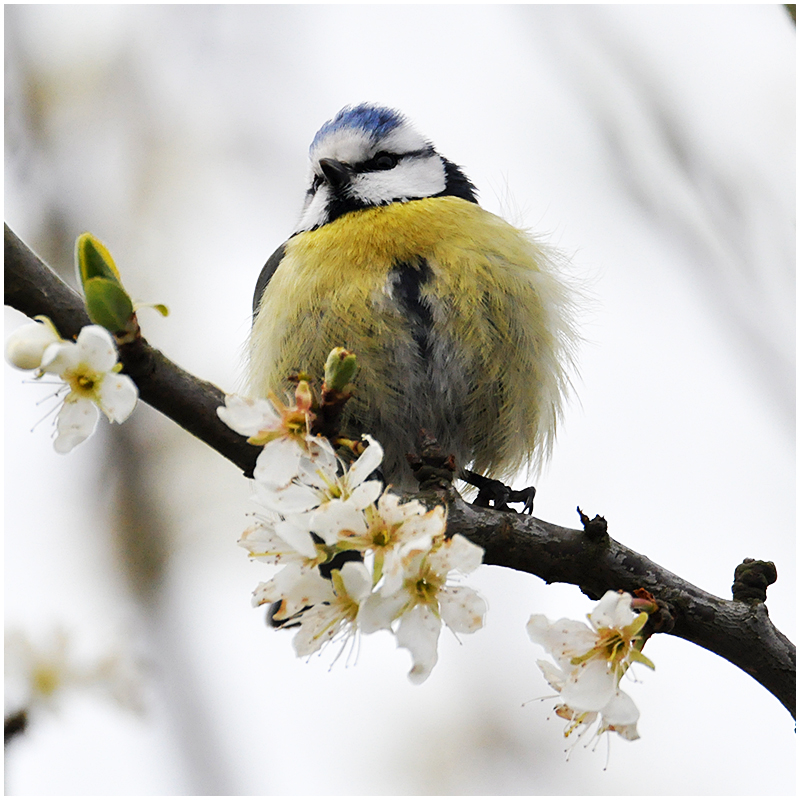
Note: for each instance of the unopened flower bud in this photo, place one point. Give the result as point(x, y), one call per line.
point(26, 345)
point(304, 397)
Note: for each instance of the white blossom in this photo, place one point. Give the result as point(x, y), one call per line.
point(90, 372)
point(282, 430)
point(424, 599)
point(264, 420)
point(275, 540)
point(250, 417)
point(325, 493)
point(296, 588)
point(278, 541)
point(384, 530)
point(618, 715)
point(590, 661)
point(334, 616)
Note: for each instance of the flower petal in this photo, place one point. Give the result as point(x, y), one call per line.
point(263, 544)
point(628, 732)
point(366, 463)
point(590, 686)
point(337, 517)
point(457, 553)
point(319, 467)
point(117, 396)
point(365, 494)
point(278, 463)
point(76, 423)
point(620, 710)
point(378, 612)
point(564, 639)
point(425, 524)
point(293, 545)
point(357, 580)
point(319, 625)
point(297, 538)
point(96, 348)
point(613, 611)
point(249, 416)
point(294, 499)
point(418, 632)
point(461, 608)
point(296, 587)
point(58, 358)
point(552, 674)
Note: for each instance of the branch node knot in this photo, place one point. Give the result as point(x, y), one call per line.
point(750, 580)
point(595, 529)
point(432, 467)
point(659, 620)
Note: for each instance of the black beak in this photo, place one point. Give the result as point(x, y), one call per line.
point(336, 173)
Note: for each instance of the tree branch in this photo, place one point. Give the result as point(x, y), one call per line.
point(33, 288)
point(739, 631)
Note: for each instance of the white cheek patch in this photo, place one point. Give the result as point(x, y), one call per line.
point(315, 212)
point(413, 178)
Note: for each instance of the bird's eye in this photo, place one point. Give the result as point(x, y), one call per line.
point(384, 161)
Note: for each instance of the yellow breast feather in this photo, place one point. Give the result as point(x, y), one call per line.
point(500, 340)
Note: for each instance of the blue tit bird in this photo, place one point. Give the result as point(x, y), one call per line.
point(462, 324)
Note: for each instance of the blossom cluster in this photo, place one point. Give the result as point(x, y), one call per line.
point(590, 660)
point(353, 557)
point(89, 372)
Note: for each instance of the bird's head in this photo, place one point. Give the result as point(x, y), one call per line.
point(368, 155)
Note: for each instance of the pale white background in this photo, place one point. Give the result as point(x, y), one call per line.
point(653, 145)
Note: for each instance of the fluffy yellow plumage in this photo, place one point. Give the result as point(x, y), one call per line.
point(479, 356)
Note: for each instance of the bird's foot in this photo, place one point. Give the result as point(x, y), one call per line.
point(495, 494)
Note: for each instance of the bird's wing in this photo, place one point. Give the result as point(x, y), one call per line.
point(263, 279)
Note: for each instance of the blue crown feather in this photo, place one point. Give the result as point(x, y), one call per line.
point(376, 121)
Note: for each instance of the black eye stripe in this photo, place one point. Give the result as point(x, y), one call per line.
point(374, 164)
point(380, 161)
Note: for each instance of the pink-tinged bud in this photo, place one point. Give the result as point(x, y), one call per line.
point(304, 397)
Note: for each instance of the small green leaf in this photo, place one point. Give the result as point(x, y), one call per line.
point(107, 304)
point(160, 307)
point(94, 260)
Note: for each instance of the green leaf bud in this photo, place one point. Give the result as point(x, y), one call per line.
point(94, 260)
point(108, 304)
point(340, 369)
